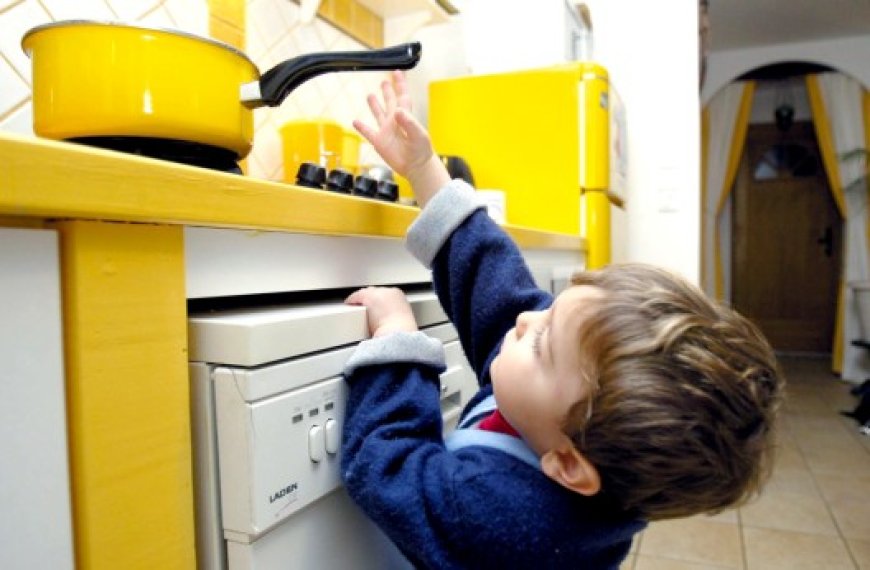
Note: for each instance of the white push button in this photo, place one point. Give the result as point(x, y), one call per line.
point(315, 443)
point(333, 437)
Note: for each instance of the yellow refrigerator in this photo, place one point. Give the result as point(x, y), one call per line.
point(544, 137)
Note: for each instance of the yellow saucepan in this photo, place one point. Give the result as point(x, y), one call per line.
point(95, 79)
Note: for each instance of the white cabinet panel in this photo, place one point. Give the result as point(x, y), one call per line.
point(234, 262)
point(34, 479)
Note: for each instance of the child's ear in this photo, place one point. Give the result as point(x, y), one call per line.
point(570, 468)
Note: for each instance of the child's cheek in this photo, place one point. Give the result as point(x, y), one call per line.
point(493, 367)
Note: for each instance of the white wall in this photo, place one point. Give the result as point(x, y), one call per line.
point(651, 52)
point(504, 35)
point(849, 55)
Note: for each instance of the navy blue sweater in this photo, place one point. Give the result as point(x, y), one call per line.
point(476, 507)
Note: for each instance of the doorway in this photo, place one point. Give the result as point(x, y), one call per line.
point(787, 239)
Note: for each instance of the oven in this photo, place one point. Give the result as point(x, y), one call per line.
point(268, 401)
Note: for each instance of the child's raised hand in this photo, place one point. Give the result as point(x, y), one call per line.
point(402, 141)
point(387, 309)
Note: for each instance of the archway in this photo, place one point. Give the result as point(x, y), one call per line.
point(754, 96)
point(786, 230)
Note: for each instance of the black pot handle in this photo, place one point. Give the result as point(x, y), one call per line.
point(274, 85)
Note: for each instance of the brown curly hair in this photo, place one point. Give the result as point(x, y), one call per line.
point(685, 395)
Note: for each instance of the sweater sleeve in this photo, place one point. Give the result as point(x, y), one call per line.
point(410, 347)
point(394, 462)
point(479, 274)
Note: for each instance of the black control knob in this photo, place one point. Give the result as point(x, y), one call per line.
point(388, 191)
point(310, 175)
point(339, 180)
point(365, 186)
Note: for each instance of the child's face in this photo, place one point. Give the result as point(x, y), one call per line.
point(537, 375)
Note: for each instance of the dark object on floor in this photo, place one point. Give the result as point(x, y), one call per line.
point(861, 413)
point(861, 389)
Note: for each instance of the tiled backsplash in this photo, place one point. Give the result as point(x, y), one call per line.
point(273, 33)
point(18, 16)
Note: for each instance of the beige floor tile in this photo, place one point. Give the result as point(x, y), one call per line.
point(628, 563)
point(817, 429)
point(844, 487)
point(768, 549)
point(784, 424)
point(838, 459)
point(791, 480)
point(782, 435)
point(805, 402)
point(789, 456)
point(853, 518)
point(697, 539)
point(657, 563)
point(861, 552)
point(829, 430)
point(789, 511)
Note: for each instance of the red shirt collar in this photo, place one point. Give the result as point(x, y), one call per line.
point(496, 422)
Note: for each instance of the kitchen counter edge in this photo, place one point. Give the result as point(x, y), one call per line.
point(57, 180)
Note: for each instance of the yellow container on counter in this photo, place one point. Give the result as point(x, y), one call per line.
point(541, 135)
point(320, 141)
point(351, 141)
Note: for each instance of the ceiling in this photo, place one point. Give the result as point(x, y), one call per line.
point(736, 24)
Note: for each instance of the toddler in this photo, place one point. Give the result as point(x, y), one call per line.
point(629, 397)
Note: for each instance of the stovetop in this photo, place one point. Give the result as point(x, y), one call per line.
point(184, 152)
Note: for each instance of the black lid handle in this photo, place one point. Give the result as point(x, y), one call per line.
point(274, 85)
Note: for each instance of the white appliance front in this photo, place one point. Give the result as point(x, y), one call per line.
point(268, 406)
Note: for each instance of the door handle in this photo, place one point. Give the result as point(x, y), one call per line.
point(828, 241)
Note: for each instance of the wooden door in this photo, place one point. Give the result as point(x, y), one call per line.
point(786, 239)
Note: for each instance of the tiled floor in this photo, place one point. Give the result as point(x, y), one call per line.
point(815, 512)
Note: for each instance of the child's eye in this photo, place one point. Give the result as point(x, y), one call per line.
point(536, 341)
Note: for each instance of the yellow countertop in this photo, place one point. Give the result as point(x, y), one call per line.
point(46, 179)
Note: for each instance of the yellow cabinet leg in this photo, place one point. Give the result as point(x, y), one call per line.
point(127, 395)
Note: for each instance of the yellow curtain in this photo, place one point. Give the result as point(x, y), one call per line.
point(824, 136)
point(741, 126)
point(867, 145)
point(724, 122)
point(705, 152)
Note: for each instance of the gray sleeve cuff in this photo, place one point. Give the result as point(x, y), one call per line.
point(414, 347)
point(442, 215)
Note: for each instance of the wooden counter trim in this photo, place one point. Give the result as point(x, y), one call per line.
point(50, 179)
